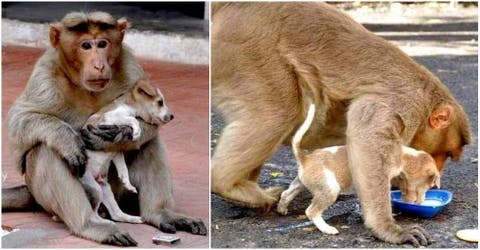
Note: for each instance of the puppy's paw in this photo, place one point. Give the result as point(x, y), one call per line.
point(282, 209)
point(329, 230)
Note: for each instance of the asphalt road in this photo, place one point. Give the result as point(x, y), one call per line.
point(448, 47)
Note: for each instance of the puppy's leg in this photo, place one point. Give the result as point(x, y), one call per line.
point(325, 189)
point(287, 196)
point(315, 211)
point(66, 198)
point(122, 170)
point(113, 208)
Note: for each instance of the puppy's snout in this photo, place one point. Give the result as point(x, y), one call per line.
point(171, 117)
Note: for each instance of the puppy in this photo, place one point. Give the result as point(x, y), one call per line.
point(325, 173)
point(143, 101)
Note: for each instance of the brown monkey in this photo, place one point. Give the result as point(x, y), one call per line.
point(86, 68)
point(268, 58)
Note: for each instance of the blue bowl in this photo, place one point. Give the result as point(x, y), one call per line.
point(435, 201)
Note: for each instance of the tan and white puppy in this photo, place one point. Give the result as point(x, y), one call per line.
point(325, 173)
point(143, 101)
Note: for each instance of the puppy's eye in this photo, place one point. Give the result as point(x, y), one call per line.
point(160, 103)
point(449, 154)
point(86, 45)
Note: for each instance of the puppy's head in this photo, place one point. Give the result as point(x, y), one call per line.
point(419, 174)
point(150, 103)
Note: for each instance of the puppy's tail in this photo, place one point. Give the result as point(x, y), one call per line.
point(297, 138)
point(18, 198)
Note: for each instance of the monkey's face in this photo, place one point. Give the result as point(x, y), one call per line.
point(152, 103)
point(95, 59)
point(446, 140)
point(89, 46)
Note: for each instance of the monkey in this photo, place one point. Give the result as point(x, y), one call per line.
point(268, 58)
point(324, 172)
point(142, 101)
point(86, 67)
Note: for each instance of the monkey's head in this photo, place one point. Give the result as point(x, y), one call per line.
point(150, 103)
point(444, 134)
point(419, 174)
point(88, 46)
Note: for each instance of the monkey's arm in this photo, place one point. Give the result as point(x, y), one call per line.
point(117, 137)
point(27, 128)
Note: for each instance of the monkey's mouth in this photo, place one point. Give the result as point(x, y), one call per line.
point(98, 83)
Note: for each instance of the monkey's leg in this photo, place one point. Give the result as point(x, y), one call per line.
point(240, 150)
point(288, 195)
point(60, 193)
point(150, 172)
point(374, 151)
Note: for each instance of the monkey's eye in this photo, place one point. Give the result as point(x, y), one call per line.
point(160, 103)
point(86, 45)
point(102, 44)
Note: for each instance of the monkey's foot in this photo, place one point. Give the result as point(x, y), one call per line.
point(282, 209)
point(416, 235)
point(249, 194)
point(174, 222)
point(120, 239)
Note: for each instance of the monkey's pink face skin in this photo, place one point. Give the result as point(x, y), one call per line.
point(95, 55)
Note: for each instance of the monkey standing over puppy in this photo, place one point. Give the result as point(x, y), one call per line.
point(143, 101)
point(86, 68)
point(325, 173)
point(269, 58)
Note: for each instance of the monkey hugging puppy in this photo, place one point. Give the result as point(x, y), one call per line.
point(325, 173)
point(86, 68)
point(269, 58)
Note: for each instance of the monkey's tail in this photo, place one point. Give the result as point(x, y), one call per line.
point(18, 198)
point(297, 138)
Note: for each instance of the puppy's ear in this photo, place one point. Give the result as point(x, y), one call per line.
point(144, 89)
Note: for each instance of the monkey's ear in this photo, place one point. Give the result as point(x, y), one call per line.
point(123, 25)
point(441, 117)
point(55, 30)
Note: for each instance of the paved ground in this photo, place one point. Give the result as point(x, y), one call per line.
point(446, 43)
point(186, 90)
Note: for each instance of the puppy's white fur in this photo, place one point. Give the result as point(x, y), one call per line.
point(140, 102)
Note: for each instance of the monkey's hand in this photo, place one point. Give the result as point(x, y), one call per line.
point(74, 153)
point(104, 136)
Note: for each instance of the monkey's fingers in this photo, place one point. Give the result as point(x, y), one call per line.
point(409, 238)
point(167, 228)
point(120, 239)
point(416, 235)
point(421, 234)
point(194, 226)
point(77, 163)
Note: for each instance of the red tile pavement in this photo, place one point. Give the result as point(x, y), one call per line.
point(186, 90)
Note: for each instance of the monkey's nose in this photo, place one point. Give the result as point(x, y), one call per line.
point(99, 67)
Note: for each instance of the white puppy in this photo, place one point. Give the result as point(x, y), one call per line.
point(143, 101)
